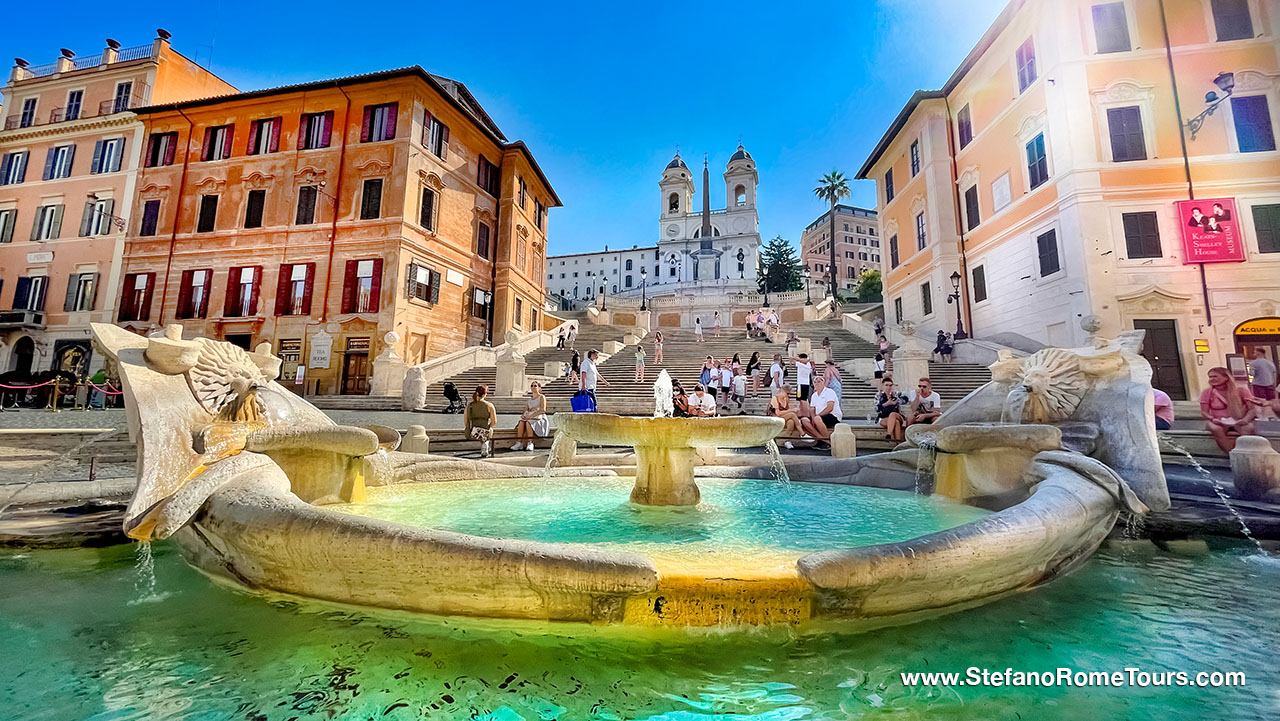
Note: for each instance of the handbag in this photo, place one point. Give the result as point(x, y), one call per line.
point(582, 402)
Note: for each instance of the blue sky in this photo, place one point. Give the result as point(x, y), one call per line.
point(602, 92)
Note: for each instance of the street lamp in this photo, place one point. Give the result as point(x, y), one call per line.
point(488, 317)
point(765, 266)
point(1226, 82)
point(115, 220)
point(644, 288)
point(954, 297)
point(808, 300)
point(602, 298)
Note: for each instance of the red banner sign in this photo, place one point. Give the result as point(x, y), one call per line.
point(1210, 233)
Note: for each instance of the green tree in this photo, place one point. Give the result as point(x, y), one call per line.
point(832, 187)
point(870, 288)
point(779, 267)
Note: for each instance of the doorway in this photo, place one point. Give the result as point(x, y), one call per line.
point(1160, 348)
point(24, 353)
point(355, 367)
point(1258, 334)
point(244, 340)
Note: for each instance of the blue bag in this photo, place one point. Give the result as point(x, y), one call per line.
point(582, 402)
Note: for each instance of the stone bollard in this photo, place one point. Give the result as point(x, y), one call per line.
point(416, 440)
point(612, 347)
point(843, 443)
point(1255, 468)
point(553, 369)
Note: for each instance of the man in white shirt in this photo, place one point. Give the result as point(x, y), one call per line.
point(588, 376)
point(726, 384)
point(701, 403)
point(826, 411)
point(926, 404)
point(804, 377)
point(775, 374)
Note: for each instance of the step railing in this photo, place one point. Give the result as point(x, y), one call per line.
point(436, 370)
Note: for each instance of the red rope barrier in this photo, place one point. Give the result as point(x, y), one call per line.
point(26, 388)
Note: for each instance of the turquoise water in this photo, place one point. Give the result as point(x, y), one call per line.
point(737, 519)
point(84, 636)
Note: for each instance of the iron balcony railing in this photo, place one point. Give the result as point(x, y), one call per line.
point(21, 319)
point(140, 52)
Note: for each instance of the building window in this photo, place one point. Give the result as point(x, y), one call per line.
point(435, 136)
point(97, 217)
point(150, 218)
point(48, 224)
point(1026, 62)
point(628, 281)
point(124, 97)
point(161, 148)
point(242, 291)
point(520, 310)
point(107, 155)
point(264, 136)
point(193, 295)
point(893, 251)
point(1266, 227)
point(1253, 123)
point(136, 302)
point(979, 283)
point(8, 219)
point(1231, 18)
point(482, 242)
point(897, 311)
point(971, 215)
point(540, 215)
point(75, 99)
point(28, 117)
point(30, 293)
point(1111, 28)
point(1124, 125)
point(524, 193)
point(888, 186)
point(217, 142)
point(1047, 252)
point(82, 291)
point(208, 214)
point(427, 209)
point(1141, 235)
point(488, 176)
point(423, 283)
point(628, 264)
point(362, 286)
point(673, 203)
point(915, 160)
point(964, 126)
point(253, 208)
point(13, 169)
point(57, 163)
point(926, 300)
point(307, 197)
point(379, 122)
point(521, 254)
point(921, 238)
point(1037, 162)
point(371, 199)
point(293, 288)
point(315, 130)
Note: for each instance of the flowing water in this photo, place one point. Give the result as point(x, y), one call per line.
point(926, 458)
point(1220, 490)
point(552, 455)
point(663, 401)
point(1014, 406)
point(776, 464)
point(76, 650)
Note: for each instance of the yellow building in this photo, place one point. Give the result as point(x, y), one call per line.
point(1047, 170)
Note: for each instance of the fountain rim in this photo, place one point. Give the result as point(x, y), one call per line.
point(611, 429)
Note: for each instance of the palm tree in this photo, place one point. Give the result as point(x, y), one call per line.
point(832, 187)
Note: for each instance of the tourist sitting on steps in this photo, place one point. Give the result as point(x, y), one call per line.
point(826, 413)
point(480, 420)
point(889, 405)
point(679, 401)
point(1228, 409)
point(1163, 409)
point(533, 422)
point(701, 403)
point(780, 407)
point(926, 404)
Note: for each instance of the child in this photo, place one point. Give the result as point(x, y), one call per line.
point(740, 389)
point(639, 363)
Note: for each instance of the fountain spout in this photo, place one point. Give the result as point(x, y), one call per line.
point(663, 401)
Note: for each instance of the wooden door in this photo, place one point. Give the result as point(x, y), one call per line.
point(355, 374)
point(1160, 348)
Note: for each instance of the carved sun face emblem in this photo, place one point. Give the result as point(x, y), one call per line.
point(222, 369)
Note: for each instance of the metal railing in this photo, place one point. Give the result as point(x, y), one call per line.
point(140, 52)
point(22, 318)
point(88, 61)
point(119, 105)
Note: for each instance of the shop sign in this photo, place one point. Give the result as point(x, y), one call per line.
point(1210, 233)
point(321, 349)
point(1259, 326)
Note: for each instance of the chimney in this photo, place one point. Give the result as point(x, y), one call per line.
point(112, 53)
point(161, 43)
point(19, 71)
point(66, 62)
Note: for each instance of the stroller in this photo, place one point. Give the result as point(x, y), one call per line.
point(455, 400)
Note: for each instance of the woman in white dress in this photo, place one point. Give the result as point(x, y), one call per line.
point(715, 324)
point(697, 329)
point(533, 422)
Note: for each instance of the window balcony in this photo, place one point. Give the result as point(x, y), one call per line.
point(26, 319)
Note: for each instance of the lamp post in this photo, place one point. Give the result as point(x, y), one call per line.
point(808, 300)
point(644, 289)
point(954, 297)
point(1226, 82)
point(765, 267)
point(602, 297)
point(488, 317)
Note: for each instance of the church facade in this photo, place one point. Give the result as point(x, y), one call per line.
point(697, 246)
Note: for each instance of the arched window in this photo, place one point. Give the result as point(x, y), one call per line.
point(628, 264)
point(740, 195)
point(673, 203)
point(615, 287)
point(628, 279)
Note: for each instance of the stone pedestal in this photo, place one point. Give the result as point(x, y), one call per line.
point(664, 477)
point(553, 369)
point(413, 394)
point(1255, 469)
point(811, 312)
point(631, 338)
point(910, 362)
point(611, 347)
point(416, 440)
point(843, 443)
point(644, 319)
point(389, 369)
point(510, 381)
point(864, 368)
point(804, 345)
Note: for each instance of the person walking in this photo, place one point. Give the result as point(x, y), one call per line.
point(879, 366)
point(804, 376)
point(1228, 409)
point(533, 422)
point(831, 375)
point(777, 373)
point(575, 368)
point(726, 383)
point(753, 371)
point(715, 324)
point(480, 420)
point(1263, 371)
point(590, 375)
point(657, 347)
point(925, 403)
point(560, 334)
point(639, 362)
point(889, 405)
point(697, 329)
point(948, 347)
point(573, 334)
point(740, 389)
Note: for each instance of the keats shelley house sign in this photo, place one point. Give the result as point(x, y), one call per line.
point(1210, 233)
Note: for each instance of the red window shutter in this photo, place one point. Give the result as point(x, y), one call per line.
point(146, 158)
point(375, 287)
point(254, 128)
point(184, 295)
point(328, 129)
point(206, 150)
point(226, 147)
point(392, 111)
point(127, 311)
point(349, 288)
point(203, 310)
point(282, 289)
point(303, 123)
point(257, 287)
point(364, 126)
point(233, 285)
point(145, 312)
point(275, 135)
point(307, 287)
point(444, 146)
point(169, 149)
point(426, 128)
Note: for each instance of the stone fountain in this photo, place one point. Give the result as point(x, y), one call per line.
point(243, 474)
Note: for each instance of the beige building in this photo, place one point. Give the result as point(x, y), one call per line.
point(857, 246)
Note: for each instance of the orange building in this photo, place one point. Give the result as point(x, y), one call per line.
point(321, 217)
point(1046, 172)
point(69, 153)
point(857, 247)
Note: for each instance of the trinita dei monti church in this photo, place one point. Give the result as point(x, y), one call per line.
point(698, 246)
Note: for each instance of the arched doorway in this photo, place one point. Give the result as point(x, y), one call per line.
point(72, 357)
point(1258, 333)
point(24, 353)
